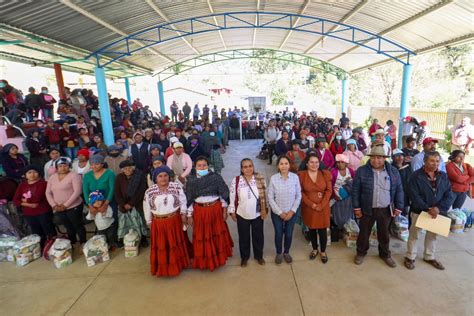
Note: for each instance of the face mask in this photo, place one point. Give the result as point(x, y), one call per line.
point(79, 94)
point(287, 127)
point(2, 85)
point(44, 91)
point(202, 173)
point(212, 133)
point(339, 137)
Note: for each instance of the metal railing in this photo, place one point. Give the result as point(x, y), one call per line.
point(7, 121)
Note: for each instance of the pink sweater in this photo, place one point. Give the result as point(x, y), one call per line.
point(68, 191)
point(187, 164)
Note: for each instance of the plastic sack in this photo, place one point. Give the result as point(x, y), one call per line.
point(351, 226)
point(351, 233)
point(27, 250)
point(6, 247)
point(458, 220)
point(373, 241)
point(61, 253)
point(96, 250)
point(399, 228)
point(131, 242)
point(468, 217)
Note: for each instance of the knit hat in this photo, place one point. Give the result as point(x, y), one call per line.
point(160, 158)
point(96, 159)
point(84, 152)
point(174, 140)
point(7, 147)
point(33, 167)
point(342, 158)
point(161, 169)
point(113, 148)
point(126, 163)
point(95, 196)
point(155, 146)
point(351, 141)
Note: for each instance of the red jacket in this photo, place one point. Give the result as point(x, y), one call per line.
point(52, 135)
point(36, 193)
point(460, 181)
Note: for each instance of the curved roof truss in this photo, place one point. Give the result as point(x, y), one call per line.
point(253, 53)
point(162, 33)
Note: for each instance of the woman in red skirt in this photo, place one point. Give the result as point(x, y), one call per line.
point(208, 197)
point(164, 207)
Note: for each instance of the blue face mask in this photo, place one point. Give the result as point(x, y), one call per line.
point(2, 85)
point(44, 91)
point(338, 137)
point(202, 173)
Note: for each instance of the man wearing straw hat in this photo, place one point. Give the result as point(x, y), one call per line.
point(377, 196)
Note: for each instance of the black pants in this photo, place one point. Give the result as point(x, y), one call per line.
point(110, 234)
point(323, 238)
point(42, 225)
point(250, 229)
point(72, 220)
point(383, 218)
point(271, 150)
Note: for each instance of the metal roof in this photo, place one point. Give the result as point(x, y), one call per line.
point(66, 31)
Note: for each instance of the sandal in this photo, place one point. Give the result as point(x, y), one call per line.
point(313, 254)
point(435, 264)
point(409, 264)
point(324, 258)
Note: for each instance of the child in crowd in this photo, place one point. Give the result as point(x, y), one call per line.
point(104, 219)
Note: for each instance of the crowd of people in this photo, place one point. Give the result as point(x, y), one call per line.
point(162, 176)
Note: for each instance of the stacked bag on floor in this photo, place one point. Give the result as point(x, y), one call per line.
point(458, 220)
point(6, 247)
point(61, 253)
point(399, 228)
point(96, 250)
point(27, 250)
point(351, 232)
point(131, 242)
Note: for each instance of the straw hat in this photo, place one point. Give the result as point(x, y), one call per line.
point(377, 151)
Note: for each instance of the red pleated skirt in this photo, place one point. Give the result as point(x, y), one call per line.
point(169, 247)
point(212, 243)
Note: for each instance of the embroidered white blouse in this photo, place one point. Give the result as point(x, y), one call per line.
point(247, 202)
point(162, 203)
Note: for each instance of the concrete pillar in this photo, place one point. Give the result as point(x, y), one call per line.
point(127, 92)
point(104, 107)
point(345, 95)
point(161, 96)
point(405, 101)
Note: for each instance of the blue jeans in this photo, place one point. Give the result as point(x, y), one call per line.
point(283, 230)
point(459, 199)
point(71, 152)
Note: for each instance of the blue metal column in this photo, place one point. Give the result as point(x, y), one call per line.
point(345, 94)
point(405, 101)
point(161, 96)
point(104, 106)
point(127, 91)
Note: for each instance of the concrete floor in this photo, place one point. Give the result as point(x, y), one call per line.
point(124, 286)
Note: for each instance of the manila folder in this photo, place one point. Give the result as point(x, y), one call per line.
point(439, 225)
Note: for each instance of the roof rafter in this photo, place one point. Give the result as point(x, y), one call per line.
point(215, 21)
point(421, 14)
point(303, 9)
point(158, 10)
point(96, 19)
point(346, 17)
point(452, 42)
